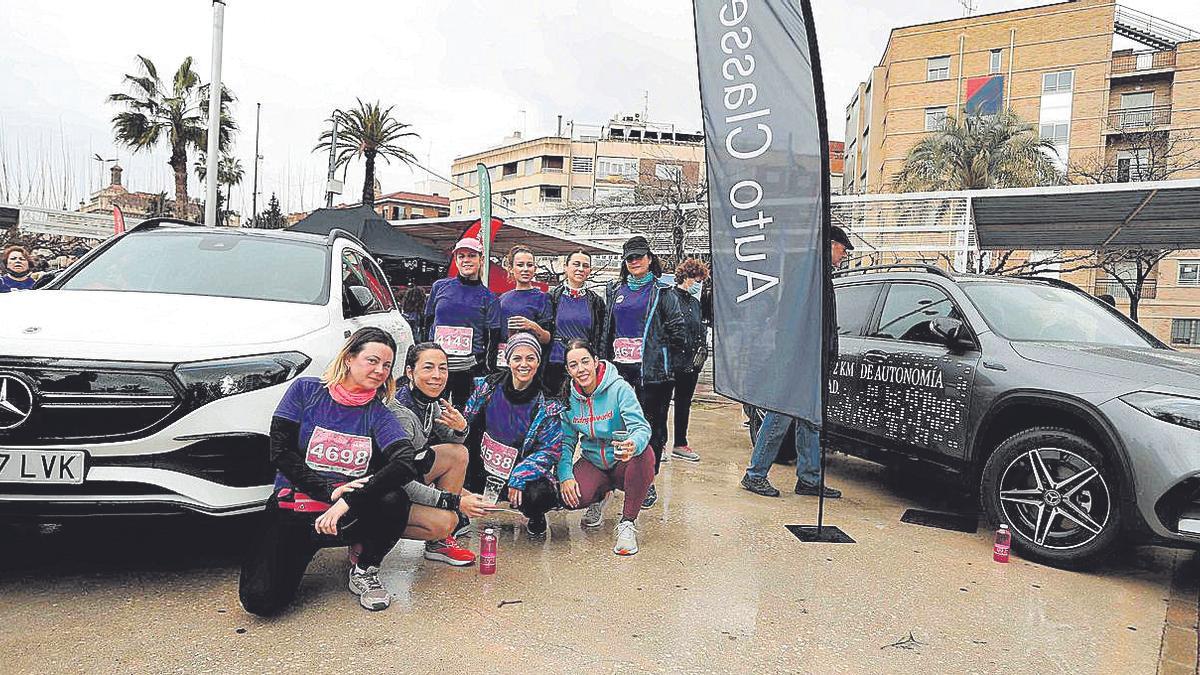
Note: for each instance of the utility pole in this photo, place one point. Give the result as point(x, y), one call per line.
point(214, 115)
point(329, 188)
point(254, 193)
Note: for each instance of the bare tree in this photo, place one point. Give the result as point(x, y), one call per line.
point(1153, 153)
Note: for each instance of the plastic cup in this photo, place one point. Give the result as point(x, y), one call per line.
point(492, 489)
point(619, 436)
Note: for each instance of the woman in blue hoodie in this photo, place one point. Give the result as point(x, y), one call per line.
point(602, 404)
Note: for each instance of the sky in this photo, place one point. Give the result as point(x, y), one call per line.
point(463, 74)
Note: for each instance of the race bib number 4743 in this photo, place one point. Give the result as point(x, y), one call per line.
point(346, 454)
point(627, 350)
point(456, 340)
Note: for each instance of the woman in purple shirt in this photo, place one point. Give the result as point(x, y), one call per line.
point(17, 270)
point(524, 308)
point(462, 315)
point(645, 334)
point(578, 314)
point(343, 461)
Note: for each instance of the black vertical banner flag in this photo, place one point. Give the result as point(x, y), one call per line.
point(768, 186)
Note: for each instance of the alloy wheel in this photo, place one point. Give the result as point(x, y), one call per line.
point(1055, 498)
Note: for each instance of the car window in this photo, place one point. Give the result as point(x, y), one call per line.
point(378, 285)
point(355, 275)
point(1031, 311)
point(208, 263)
point(909, 308)
point(854, 306)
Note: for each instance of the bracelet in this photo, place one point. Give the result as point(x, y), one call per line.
point(449, 501)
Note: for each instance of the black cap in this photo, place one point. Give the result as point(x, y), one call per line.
point(635, 246)
point(839, 235)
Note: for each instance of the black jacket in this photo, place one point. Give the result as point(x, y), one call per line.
point(665, 334)
point(695, 349)
point(595, 303)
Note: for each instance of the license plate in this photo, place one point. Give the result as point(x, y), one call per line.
point(41, 466)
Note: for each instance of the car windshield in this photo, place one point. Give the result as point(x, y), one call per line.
point(207, 263)
point(1031, 311)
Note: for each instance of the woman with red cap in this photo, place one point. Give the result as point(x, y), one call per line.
point(462, 315)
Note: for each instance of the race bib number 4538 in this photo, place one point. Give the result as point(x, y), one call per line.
point(498, 458)
point(456, 340)
point(627, 350)
point(346, 454)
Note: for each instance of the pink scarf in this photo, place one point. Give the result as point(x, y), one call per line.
point(351, 398)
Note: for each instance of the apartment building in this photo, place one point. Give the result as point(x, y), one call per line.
point(1115, 89)
point(1054, 65)
point(580, 164)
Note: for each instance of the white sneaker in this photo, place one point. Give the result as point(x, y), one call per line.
point(626, 538)
point(595, 513)
point(666, 457)
point(370, 591)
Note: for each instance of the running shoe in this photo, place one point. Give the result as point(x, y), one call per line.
point(370, 591)
point(803, 488)
point(594, 514)
point(685, 453)
point(449, 552)
point(651, 498)
point(626, 538)
point(666, 457)
point(759, 486)
point(536, 527)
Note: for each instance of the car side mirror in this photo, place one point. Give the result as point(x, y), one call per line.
point(44, 280)
point(361, 299)
point(952, 332)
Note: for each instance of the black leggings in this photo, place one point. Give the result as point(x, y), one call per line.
point(655, 398)
point(538, 497)
point(275, 563)
point(685, 388)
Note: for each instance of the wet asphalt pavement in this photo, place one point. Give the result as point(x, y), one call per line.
point(719, 585)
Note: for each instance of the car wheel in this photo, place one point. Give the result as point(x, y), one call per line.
point(1058, 494)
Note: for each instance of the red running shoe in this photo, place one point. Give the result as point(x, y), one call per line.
point(449, 552)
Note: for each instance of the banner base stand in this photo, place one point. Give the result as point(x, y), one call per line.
point(820, 534)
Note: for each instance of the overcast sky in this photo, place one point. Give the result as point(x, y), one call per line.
point(460, 73)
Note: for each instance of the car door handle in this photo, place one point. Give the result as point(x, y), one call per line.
point(875, 356)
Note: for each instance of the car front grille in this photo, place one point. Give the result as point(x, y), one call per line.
point(79, 401)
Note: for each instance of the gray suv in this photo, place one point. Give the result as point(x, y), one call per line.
point(1077, 427)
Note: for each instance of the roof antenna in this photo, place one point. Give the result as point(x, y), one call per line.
point(968, 6)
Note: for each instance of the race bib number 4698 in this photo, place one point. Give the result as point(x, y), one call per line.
point(456, 340)
point(627, 350)
point(346, 454)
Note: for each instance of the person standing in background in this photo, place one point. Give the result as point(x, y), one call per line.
point(524, 309)
point(18, 270)
point(689, 281)
point(578, 314)
point(644, 332)
point(463, 317)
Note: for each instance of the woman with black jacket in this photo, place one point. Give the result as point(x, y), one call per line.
point(644, 335)
point(578, 314)
point(689, 282)
point(343, 461)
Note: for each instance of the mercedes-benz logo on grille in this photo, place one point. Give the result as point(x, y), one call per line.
point(16, 401)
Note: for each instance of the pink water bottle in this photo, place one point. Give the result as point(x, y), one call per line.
point(1003, 543)
point(487, 552)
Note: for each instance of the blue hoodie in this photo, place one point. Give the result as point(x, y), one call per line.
point(591, 420)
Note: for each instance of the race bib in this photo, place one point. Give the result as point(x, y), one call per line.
point(500, 360)
point(456, 340)
point(498, 458)
point(627, 350)
point(346, 454)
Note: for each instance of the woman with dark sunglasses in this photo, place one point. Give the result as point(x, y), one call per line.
point(644, 336)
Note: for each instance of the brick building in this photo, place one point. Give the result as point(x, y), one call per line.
point(1111, 87)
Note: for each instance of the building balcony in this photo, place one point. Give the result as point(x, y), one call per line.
point(1138, 119)
point(1114, 288)
point(1134, 64)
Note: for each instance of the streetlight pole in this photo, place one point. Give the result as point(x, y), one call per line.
point(332, 163)
point(254, 193)
point(214, 115)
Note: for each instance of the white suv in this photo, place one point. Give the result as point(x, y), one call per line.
point(142, 379)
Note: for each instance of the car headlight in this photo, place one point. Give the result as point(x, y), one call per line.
point(207, 381)
point(1172, 408)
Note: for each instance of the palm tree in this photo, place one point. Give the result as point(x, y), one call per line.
point(229, 173)
point(979, 151)
point(178, 112)
point(368, 131)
